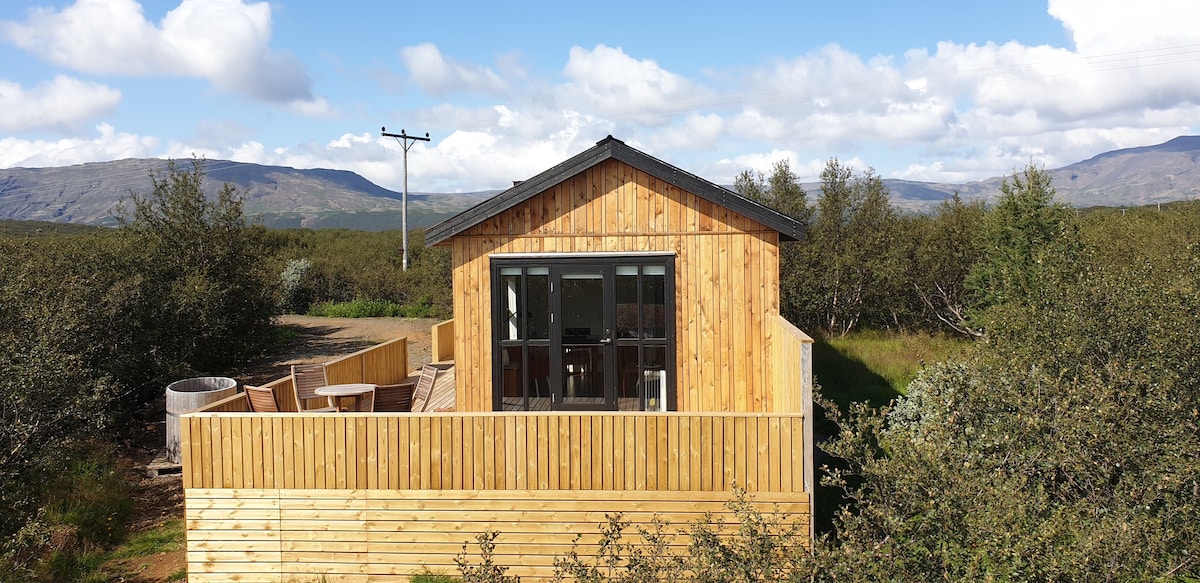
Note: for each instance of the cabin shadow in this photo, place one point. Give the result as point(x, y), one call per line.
point(843, 380)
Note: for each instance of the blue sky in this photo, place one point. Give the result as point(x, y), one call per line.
point(937, 90)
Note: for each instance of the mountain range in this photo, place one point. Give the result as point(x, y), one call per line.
point(288, 197)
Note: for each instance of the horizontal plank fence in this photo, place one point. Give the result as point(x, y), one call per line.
point(760, 452)
point(389, 535)
point(380, 497)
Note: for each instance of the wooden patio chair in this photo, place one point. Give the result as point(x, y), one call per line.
point(424, 387)
point(262, 399)
point(397, 397)
point(306, 379)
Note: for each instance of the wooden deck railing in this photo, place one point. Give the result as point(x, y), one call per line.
point(382, 364)
point(443, 341)
point(496, 451)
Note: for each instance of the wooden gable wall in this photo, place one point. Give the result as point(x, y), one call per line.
point(726, 279)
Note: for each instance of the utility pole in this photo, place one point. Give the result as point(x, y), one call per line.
point(403, 139)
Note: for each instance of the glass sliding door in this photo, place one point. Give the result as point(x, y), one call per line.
point(587, 332)
point(524, 339)
point(642, 336)
point(584, 316)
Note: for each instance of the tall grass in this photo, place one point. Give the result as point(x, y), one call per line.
point(876, 366)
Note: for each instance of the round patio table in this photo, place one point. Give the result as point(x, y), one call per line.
point(356, 390)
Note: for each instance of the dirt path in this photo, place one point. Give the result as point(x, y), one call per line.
point(313, 339)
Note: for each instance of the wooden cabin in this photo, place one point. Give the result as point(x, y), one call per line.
point(617, 347)
point(617, 282)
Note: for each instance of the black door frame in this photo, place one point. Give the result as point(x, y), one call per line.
point(557, 263)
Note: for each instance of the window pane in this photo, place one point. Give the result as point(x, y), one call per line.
point(510, 326)
point(627, 379)
point(627, 303)
point(538, 303)
point(537, 378)
point(512, 369)
point(654, 299)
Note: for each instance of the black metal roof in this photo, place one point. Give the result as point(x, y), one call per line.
point(789, 229)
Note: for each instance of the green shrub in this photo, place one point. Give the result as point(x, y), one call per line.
point(351, 265)
point(82, 513)
point(372, 309)
point(293, 295)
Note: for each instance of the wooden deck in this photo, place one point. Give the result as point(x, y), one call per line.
point(381, 496)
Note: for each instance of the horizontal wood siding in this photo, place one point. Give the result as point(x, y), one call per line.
point(389, 535)
point(726, 279)
point(501, 451)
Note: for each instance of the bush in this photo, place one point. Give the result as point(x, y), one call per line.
point(347, 266)
point(373, 309)
point(1065, 446)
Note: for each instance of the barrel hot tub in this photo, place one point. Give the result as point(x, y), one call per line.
point(188, 395)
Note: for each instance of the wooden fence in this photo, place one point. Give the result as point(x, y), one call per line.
point(495, 451)
point(379, 497)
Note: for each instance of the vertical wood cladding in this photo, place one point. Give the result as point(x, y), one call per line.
point(726, 279)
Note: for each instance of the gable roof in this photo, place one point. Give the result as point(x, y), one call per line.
point(611, 148)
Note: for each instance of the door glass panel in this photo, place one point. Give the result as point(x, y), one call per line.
point(537, 379)
point(537, 281)
point(654, 302)
point(628, 369)
point(626, 289)
point(583, 330)
point(510, 286)
point(512, 359)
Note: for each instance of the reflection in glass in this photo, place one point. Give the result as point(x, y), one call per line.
point(626, 289)
point(654, 301)
point(538, 301)
point(510, 281)
point(537, 381)
point(511, 362)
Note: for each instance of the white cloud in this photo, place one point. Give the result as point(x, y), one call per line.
point(61, 104)
point(438, 75)
point(1110, 26)
point(108, 145)
point(610, 82)
point(224, 41)
point(318, 107)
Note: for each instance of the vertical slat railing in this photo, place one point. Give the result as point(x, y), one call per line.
point(760, 452)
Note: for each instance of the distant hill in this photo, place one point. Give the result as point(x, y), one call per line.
point(282, 197)
point(1128, 177)
point(319, 198)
